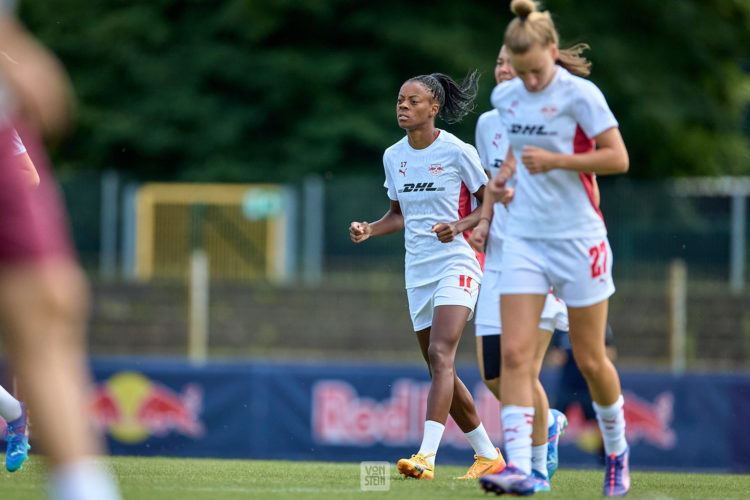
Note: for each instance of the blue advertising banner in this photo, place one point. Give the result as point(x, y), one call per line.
point(354, 412)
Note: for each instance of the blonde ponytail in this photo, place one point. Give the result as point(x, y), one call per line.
point(533, 27)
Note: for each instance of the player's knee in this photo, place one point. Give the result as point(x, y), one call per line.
point(440, 358)
point(590, 366)
point(64, 296)
point(514, 358)
point(44, 307)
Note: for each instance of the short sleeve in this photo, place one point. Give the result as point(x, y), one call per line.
point(591, 111)
point(481, 144)
point(388, 184)
point(499, 97)
point(472, 173)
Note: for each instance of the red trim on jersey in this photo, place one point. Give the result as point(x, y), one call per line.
point(582, 144)
point(464, 209)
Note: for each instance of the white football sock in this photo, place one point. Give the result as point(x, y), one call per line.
point(82, 480)
point(612, 424)
point(10, 408)
point(481, 443)
point(433, 433)
point(539, 459)
point(517, 425)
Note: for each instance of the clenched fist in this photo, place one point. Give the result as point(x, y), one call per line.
point(359, 231)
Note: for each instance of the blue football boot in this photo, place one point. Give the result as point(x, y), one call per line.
point(17, 450)
point(554, 433)
point(510, 481)
point(617, 474)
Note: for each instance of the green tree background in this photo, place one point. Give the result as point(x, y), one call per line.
point(271, 90)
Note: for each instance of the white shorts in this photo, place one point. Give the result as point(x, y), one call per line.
point(579, 270)
point(459, 290)
point(487, 322)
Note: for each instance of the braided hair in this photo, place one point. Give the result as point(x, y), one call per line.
point(456, 99)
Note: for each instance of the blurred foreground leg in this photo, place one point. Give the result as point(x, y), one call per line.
point(44, 308)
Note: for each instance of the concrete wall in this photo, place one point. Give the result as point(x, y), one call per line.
point(358, 322)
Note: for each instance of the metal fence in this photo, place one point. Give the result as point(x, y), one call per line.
point(698, 224)
point(649, 223)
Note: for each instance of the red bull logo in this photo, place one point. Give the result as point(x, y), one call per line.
point(548, 112)
point(341, 417)
point(131, 408)
point(651, 422)
point(584, 433)
point(436, 169)
point(644, 421)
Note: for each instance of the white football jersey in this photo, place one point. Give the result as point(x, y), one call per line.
point(492, 145)
point(491, 141)
point(432, 185)
point(562, 118)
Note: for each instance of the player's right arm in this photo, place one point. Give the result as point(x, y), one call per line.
point(507, 170)
point(478, 236)
point(496, 192)
point(392, 221)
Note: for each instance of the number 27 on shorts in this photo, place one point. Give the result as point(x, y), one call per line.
point(598, 254)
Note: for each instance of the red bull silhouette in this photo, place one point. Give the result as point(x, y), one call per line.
point(649, 422)
point(130, 407)
point(163, 411)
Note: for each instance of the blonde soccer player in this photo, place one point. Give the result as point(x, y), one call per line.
point(562, 133)
point(549, 424)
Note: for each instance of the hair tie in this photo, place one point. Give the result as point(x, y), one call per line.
point(523, 18)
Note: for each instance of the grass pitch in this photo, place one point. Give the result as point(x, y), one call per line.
point(158, 478)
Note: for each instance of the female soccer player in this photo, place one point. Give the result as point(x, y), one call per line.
point(492, 145)
point(430, 177)
point(556, 236)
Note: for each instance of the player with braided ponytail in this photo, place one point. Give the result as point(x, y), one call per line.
point(430, 177)
point(455, 100)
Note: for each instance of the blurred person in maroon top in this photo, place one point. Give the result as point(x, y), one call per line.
point(43, 291)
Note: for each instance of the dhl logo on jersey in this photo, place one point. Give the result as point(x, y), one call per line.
point(517, 128)
point(411, 187)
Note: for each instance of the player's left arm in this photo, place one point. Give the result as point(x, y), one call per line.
point(609, 157)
